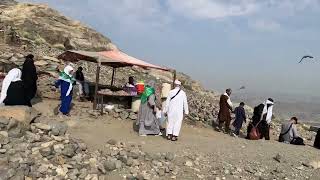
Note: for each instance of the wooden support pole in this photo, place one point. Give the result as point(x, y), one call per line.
point(96, 87)
point(113, 73)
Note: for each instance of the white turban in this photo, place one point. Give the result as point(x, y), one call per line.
point(177, 82)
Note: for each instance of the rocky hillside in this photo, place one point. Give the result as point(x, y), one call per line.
point(39, 24)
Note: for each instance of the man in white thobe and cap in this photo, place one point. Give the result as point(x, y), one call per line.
point(176, 105)
point(266, 119)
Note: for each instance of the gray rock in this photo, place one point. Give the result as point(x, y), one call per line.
point(116, 115)
point(69, 150)
point(12, 124)
point(167, 170)
point(129, 162)
point(118, 164)
point(131, 177)
point(43, 169)
point(102, 169)
point(170, 156)
point(31, 137)
point(188, 163)
point(110, 165)
point(13, 59)
point(117, 110)
point(133, 116)
point(42, 126)
point(45, 152)
point(124, 115)
point(10, 173)
point(82, 146)
point(4, 121)
point(73, 173)
point(112, 142)
point(4, 137)
point(58, 128)
point(161, 172)
point(19, 176)
point(58, 148)
point(83, 173)
point(134, 154)
point(15, 132)
point(123, 158)
point(143, 176)
point(135, 162)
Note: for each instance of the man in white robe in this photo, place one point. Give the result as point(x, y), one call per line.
point(176, 106)
point(266, 119)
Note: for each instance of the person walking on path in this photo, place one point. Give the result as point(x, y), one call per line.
point(176, 106)
point(224, 115)
point(241, 117)
point(29, 77)
point(147, 120)
point(66, 82)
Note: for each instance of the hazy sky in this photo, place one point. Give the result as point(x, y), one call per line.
point(223, 43)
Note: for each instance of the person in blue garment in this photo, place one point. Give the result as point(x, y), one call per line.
point(66, 82)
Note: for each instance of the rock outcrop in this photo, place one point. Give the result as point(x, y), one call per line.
point(40, 25)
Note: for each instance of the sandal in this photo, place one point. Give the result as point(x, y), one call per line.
point(169, 137)
point(174, 138)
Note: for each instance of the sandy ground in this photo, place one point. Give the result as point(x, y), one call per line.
point(216, 146)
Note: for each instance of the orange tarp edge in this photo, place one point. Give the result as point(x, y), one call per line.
point(126, 59)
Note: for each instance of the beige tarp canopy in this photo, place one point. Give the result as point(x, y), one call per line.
point(114, 58)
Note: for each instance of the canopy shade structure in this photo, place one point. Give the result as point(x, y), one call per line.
point(114, 58)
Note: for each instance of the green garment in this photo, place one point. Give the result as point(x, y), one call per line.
point(147, 92)
point(66, 77)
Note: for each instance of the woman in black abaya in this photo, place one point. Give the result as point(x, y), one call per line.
point(29, 77)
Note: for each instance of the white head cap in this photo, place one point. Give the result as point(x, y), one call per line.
point(177, 82)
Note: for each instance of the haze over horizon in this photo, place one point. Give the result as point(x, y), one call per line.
point(222, 43)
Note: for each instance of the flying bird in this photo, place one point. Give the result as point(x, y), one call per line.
point(242, 87)
point(304, 57)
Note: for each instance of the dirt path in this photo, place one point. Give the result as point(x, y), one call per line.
point(217, 147)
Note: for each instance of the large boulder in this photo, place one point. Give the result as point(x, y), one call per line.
point(22, 114)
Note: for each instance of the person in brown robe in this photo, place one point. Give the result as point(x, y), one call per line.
point(224, 115)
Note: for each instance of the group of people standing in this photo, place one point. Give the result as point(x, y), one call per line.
point(151, 111)
point(19, 87)
point(259, 126)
